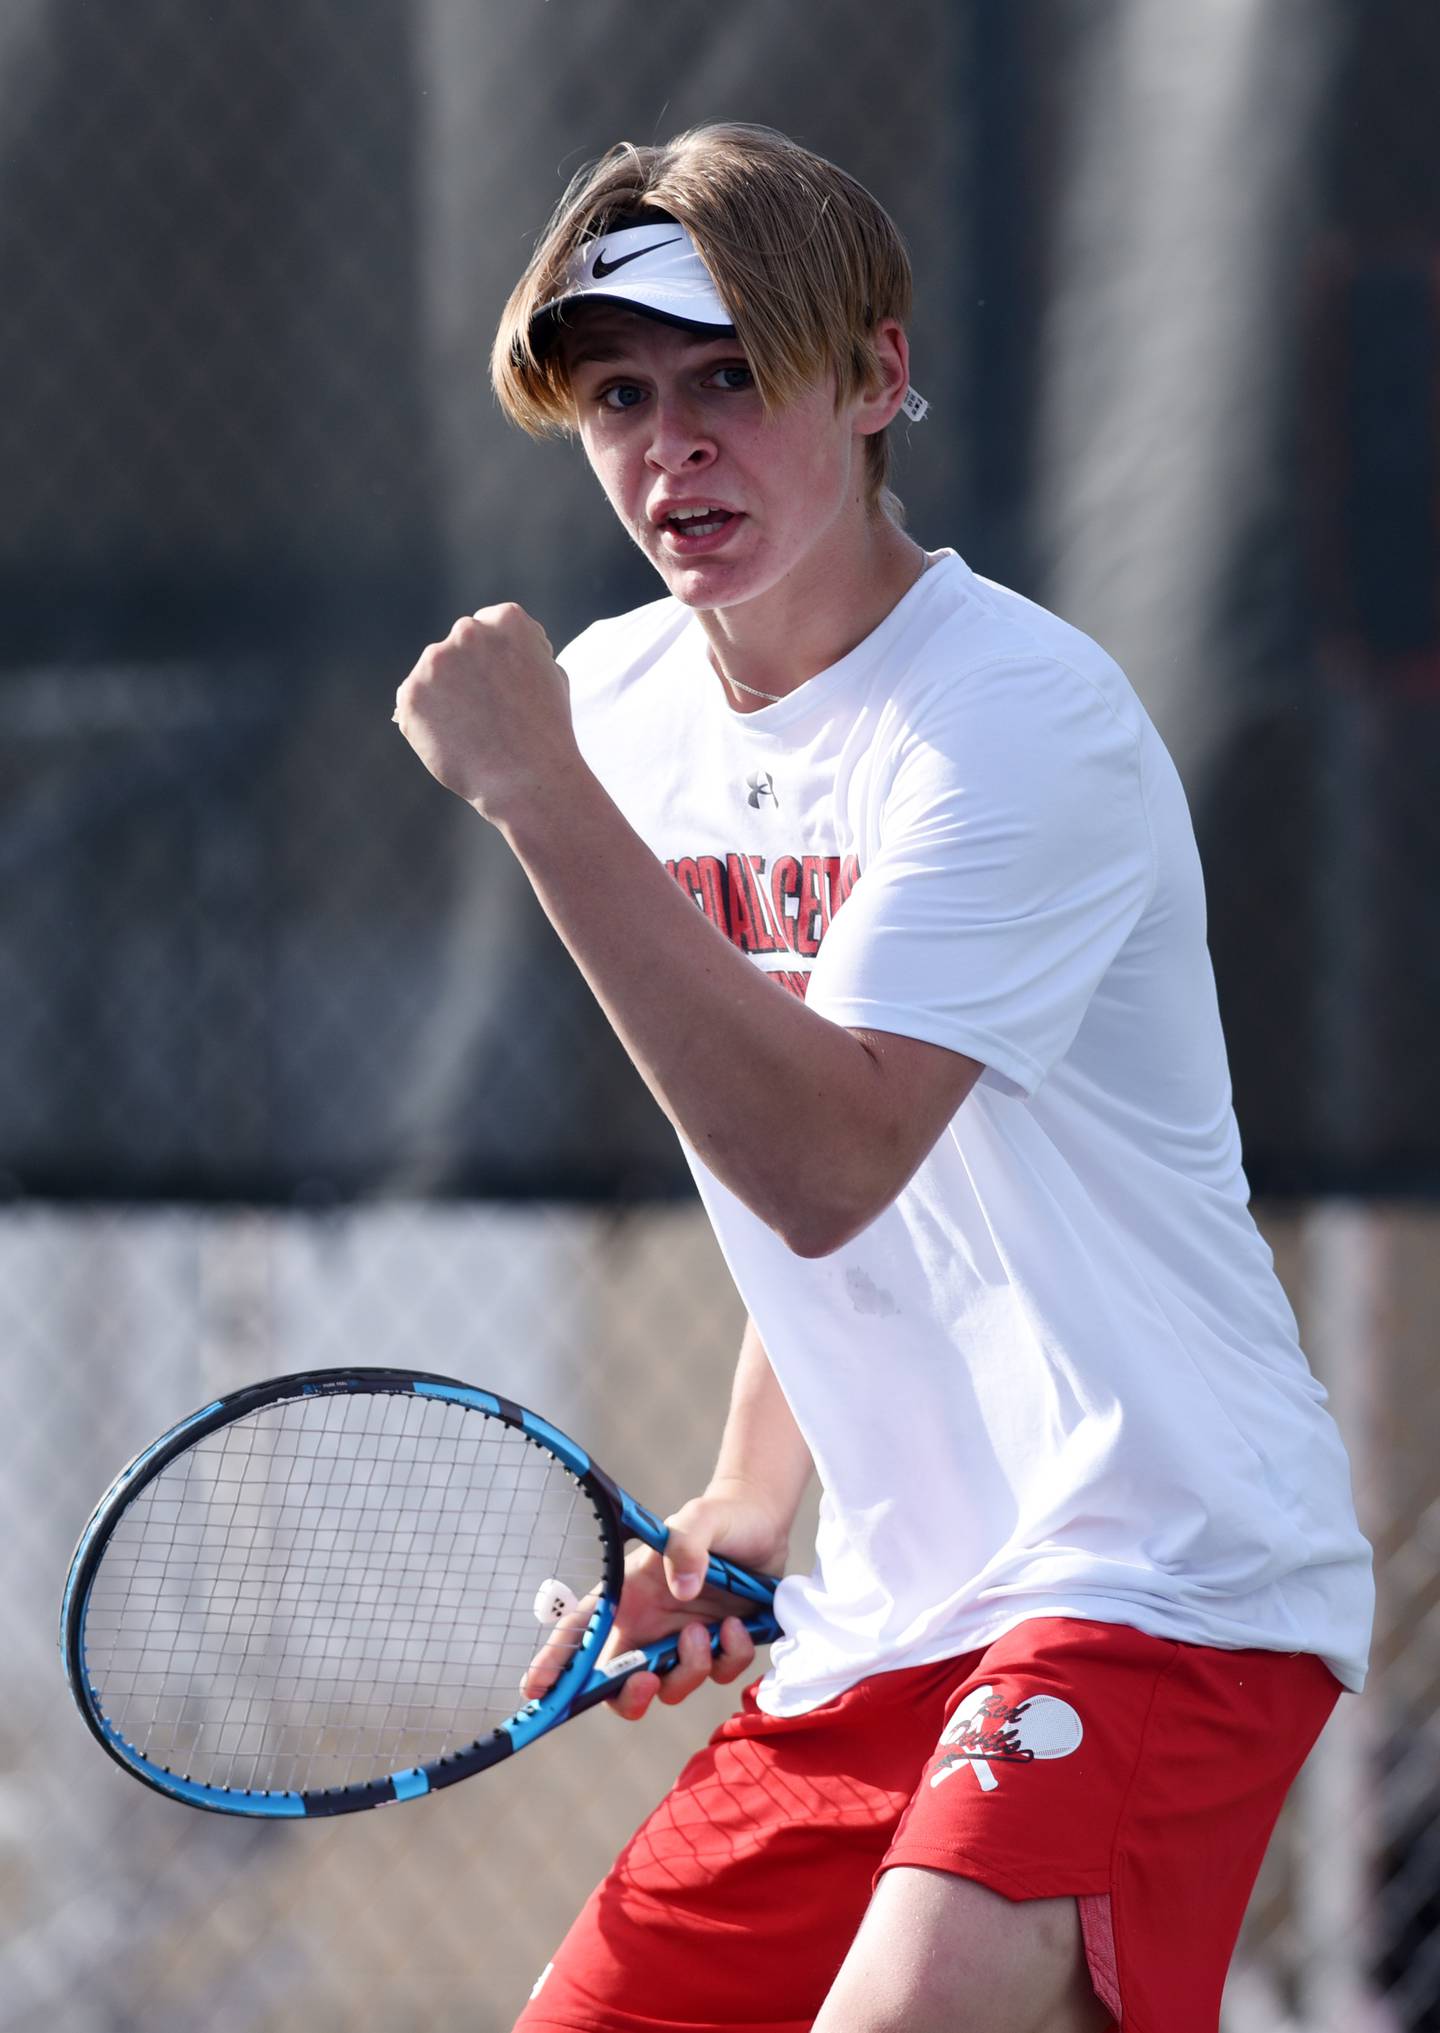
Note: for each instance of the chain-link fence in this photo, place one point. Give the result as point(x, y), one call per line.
point(129, 1911)
point(295, 1074)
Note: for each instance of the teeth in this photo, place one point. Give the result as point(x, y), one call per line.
point(693, 514)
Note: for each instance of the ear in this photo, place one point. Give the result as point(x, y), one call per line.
point(876, 405)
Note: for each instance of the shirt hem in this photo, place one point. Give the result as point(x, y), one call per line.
point(955, 1644)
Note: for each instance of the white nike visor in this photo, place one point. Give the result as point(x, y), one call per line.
point(656, 269)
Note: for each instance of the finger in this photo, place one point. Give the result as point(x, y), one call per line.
point(509, 614)
point(544, 1669)
point(691, 1668)
point(635, 1696)
point(736, 1654)
point(559, 1647)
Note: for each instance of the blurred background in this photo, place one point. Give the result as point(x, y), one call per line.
point(294, 1073)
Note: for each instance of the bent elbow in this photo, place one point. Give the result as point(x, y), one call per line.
point(833, 1209)
point(810, 1244)
point(821, 1231)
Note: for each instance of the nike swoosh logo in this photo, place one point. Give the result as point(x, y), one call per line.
point(603, 267)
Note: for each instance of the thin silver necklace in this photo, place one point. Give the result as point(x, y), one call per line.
point(770, 698)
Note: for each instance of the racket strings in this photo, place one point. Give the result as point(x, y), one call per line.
point(332, 1589)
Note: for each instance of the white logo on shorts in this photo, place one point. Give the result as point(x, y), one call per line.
point(540, 1980)
point(986, 1731)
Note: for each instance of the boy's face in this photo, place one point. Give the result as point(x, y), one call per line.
point(672, 422)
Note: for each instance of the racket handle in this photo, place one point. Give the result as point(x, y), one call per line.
point(661, 1657)
point(739, 1581)
point(663, 1654)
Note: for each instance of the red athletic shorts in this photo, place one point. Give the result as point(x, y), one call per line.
point(1141, 1776)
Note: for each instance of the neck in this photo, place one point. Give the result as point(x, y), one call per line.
point(814, 616)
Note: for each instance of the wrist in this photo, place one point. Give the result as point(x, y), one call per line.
point(741, 1487)
point(542, 805)
point(766, 1517)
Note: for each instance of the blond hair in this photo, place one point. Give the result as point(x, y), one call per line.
point(807, 262)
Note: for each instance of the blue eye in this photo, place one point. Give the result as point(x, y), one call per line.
point(622, 395)
point(734, 377)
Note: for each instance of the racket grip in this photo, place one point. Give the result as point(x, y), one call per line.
point(739, 1581)
point(661, 1656)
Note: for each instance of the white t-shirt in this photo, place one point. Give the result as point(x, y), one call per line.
point(1057, 1376)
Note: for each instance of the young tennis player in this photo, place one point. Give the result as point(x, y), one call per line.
point(887, 884)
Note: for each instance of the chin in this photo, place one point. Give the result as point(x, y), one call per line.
point(700, 591)
point(716, 589)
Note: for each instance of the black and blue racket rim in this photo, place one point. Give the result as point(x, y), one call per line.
point(318, 1593)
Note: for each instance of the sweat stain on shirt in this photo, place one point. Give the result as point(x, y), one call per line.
point(866, 1296)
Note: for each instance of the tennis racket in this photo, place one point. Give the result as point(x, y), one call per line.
point(320, 1593)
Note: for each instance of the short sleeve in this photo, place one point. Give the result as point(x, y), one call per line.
point(1007, 860)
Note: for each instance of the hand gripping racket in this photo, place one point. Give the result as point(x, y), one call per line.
point(320, 1593)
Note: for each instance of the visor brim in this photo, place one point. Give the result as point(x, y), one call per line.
point(550, 319)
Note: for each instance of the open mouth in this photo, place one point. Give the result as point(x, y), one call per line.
point(689, 528)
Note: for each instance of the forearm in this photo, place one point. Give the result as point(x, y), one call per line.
point(786, 1108)
point(763, 1456)
point(815, 1128)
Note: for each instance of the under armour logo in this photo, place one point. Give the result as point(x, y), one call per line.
point(986, 1730)
point(762, 785)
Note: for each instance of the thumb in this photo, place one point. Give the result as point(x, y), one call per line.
point(686, 1558)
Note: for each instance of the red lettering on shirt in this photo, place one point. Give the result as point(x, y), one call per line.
point(786, 905)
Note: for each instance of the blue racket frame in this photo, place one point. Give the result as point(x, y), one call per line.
point(582, 1684)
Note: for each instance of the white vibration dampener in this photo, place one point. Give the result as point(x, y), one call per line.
point(553, 1600)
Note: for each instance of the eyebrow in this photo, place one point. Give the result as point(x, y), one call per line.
point(596, 349)
point(600, 349)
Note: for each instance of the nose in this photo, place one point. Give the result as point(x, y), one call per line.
point(679, 440)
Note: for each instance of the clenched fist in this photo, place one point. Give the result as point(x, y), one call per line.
point(488, 711)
